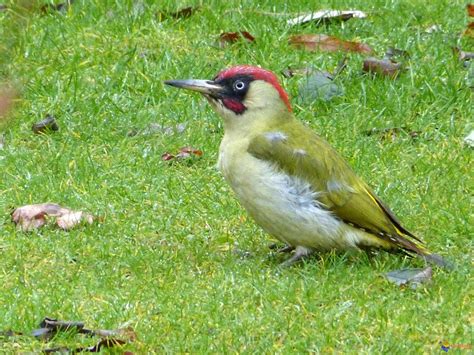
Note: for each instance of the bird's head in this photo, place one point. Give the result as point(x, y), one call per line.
point(243, 95)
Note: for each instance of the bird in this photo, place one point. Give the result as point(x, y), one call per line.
point(290, 180)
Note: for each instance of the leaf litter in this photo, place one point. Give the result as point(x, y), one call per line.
point(50, 327)
point(318, 84)
point(410, 277)
point(469, 31)
point(386, 66)
point(35, 216)
point(184, 153)
point(469, 140)
point(47, 125)
point(326, 17)
point(325, 43)
point(226, 38)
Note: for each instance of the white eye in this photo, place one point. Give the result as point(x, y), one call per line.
point(239, 85)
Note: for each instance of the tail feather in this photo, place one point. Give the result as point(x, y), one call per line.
point(422, 252)
point(436, 259)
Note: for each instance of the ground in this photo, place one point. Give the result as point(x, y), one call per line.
point(172, 254)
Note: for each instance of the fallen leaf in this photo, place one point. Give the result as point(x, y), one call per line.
point(2, 141)
point(318, 85)
point(184, 153)
point(50, 326)
point(469, 140)
point(469, 31)
point(48, 124)
point(470, 10)
point(102, 344)
point(187, 152)
point(167, 156)
point(232, 37)
point(123, 333)
point(109, 338)
point(463, 56)
point(412, 277)
point(382, 66)
point(70, 220)
point(385, 66)
point(326, 16)
point(180, 14)
point(313, 42)
point(3, 8)
point(31, 217)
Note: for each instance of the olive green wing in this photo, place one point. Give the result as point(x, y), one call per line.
point(296, 150)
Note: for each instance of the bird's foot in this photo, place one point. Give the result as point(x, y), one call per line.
point(285, 249)
point(300, 254)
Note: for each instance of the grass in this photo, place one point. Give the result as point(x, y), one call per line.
point(168, 255)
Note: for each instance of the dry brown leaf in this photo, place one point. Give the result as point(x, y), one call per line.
point(386, 66)
point(167, 156)
point(463, 56)
point(48, 124)
point(314, 42)
point(470, 10)
point(31, 217)
point(70, 220)
point(469, 31)
point(187, 152)
point(184, 153)
point(326, 16)
point(382, 66)
point(232, 37)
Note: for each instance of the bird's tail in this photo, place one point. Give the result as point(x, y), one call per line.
point(436, 259)
point(416, 247)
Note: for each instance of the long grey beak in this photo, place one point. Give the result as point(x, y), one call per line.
point(203, 86)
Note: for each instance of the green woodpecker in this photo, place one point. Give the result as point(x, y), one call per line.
point(290, 180)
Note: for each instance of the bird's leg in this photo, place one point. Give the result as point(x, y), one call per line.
point(286, 249)
point(300, 253)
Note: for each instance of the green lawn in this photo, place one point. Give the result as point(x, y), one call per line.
point(173, 255)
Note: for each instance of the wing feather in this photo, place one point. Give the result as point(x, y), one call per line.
point(298, 151)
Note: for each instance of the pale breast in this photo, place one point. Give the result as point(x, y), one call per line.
point(284, 206)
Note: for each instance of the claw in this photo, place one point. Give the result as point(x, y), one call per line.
point(300, 254)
